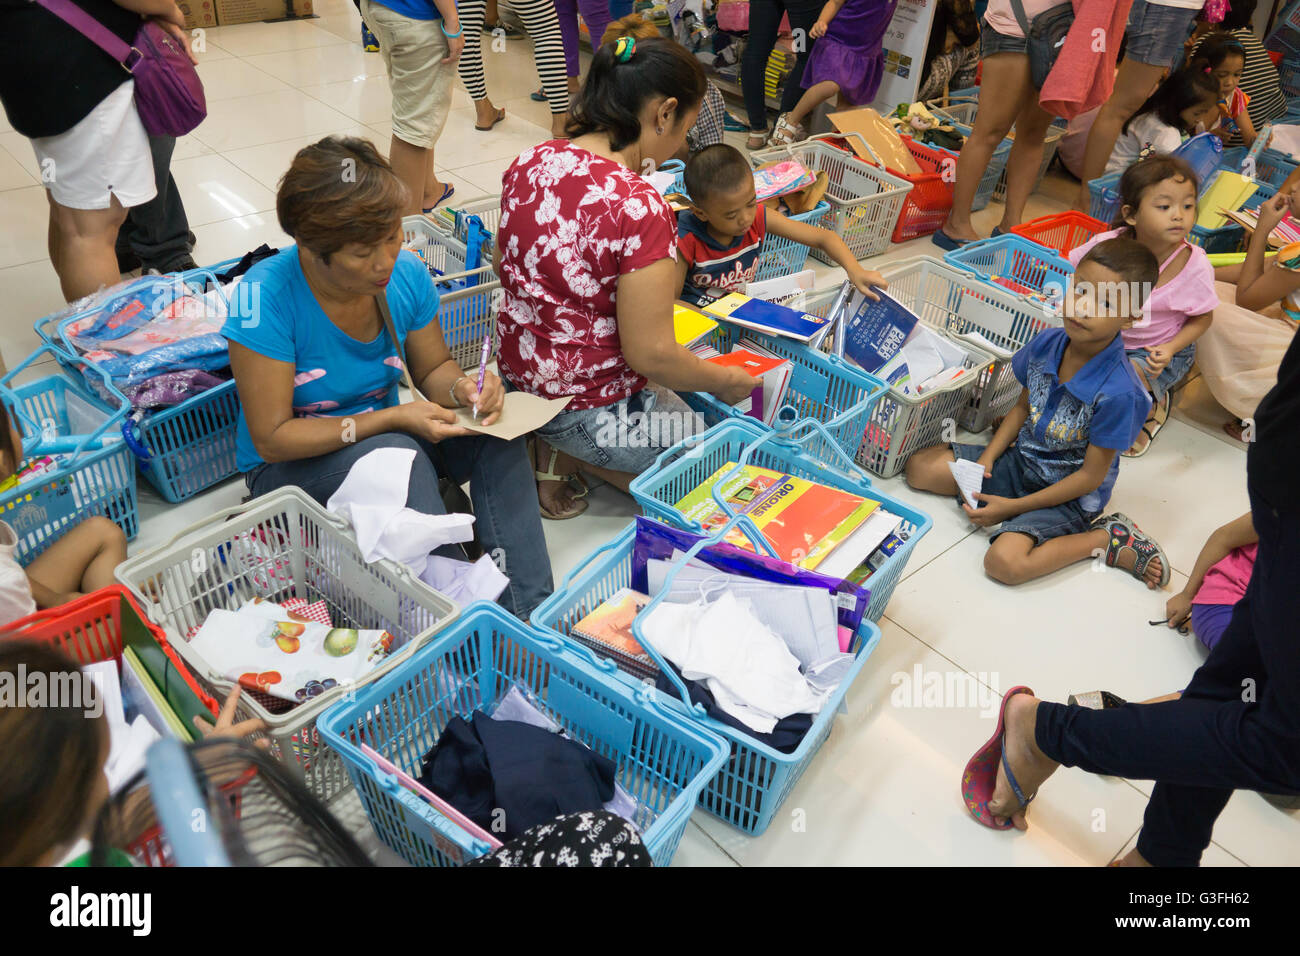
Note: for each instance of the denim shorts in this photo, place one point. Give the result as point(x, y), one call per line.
point(1156, 33)
point(627, 436)
point(1011, 479)
point(1172, 373)
point(993, 42)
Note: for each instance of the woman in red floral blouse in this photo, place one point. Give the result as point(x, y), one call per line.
point(587, 252)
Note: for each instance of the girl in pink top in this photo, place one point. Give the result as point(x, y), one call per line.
point(1158, 208)
point(1218, 581)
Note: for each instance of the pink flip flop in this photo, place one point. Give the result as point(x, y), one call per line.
point(980, 777)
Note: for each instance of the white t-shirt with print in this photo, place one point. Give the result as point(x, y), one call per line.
point(1148, 130)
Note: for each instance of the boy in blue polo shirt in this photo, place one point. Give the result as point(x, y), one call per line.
point(1050, 467)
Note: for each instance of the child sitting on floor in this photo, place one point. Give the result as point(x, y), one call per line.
point(1158, 209)
point(1218, 582)
point(720, 237)
point(1184, 104)
point(84, 559)
point(1081, 404)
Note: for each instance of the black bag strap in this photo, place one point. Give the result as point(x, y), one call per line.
point(1018, 8)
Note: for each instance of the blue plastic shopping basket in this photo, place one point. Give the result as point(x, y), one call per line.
point(58, 415)
point(191, 446)
point(750, 788)
point(822, 387)
point(663, 759)
point(791, 449)
point(1015, 258)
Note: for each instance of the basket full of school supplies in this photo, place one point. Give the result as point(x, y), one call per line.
point(931, 373)
point(277, 597)
point(757, 337)
point(992, 318)
point(455, 220)
point(760, 476)
point(688, 478)
point(804, 630)
point(74, 462)
point(1061, 231)
point(490, 687)
point(865, 201)
point(468, 289)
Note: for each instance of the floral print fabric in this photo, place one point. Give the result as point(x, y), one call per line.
point(571, 224)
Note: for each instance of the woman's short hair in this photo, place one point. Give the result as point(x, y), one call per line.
point(337, 192)
point(616, 91)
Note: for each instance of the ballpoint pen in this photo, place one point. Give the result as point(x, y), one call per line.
point(482, 369)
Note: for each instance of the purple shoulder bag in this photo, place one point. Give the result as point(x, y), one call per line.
point(168, 92)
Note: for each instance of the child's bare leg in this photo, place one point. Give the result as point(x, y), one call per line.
point(927, 470)
point(813, 97)
point(83, 560)
point(1013, 558)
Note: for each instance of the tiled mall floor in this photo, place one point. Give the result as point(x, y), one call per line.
point(884, 789)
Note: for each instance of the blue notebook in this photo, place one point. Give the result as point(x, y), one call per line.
point(766, 317)
point(874, 332)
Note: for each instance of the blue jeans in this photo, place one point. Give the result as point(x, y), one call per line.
point(627, 436)
point(1170, 375)
point(501, 487)
point(1216, 738)
point(1012, 480)
point(1156, 33)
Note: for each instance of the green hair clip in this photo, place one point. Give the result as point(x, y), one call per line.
point(624, 49)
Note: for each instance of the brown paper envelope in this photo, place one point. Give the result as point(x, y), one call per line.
point(522, 413)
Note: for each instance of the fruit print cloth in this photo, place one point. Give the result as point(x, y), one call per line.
point(262, 648)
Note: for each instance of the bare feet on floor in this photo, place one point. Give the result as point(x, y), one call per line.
point(1029, 765)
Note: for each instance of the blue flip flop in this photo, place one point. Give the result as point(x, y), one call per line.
point(448, 190)
point(945, 241)
point(997, 231)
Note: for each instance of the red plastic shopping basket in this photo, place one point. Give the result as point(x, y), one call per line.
point(97, 628)
point(926, 207)
point(1061, 231)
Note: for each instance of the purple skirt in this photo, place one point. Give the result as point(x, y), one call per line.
point(851, 54)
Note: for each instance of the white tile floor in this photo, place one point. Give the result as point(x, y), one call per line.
point(884, 789)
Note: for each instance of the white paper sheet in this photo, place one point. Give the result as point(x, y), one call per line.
point(969, 476)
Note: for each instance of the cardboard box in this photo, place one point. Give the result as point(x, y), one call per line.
point(199, 13)
point(250, 11)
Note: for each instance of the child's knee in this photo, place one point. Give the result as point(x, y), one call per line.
point(106, 532)
point(1006, 566)
point(920, 467)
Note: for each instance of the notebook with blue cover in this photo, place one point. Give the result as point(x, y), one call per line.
point(766, 317)
point(874, 332)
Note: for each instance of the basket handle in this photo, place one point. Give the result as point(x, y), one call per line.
point(67, 360)
point(234, 511)
point(826, 137)
point(800, 431)
point(587, 561)
point(745, 525)
point(176, 798)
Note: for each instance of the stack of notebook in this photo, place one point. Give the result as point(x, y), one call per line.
point(1225, 194)
point(809, 525)
point(771, 374)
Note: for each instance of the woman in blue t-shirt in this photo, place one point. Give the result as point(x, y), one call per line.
point(317, 372)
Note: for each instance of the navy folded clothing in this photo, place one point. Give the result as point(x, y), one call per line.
point(530, 774)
